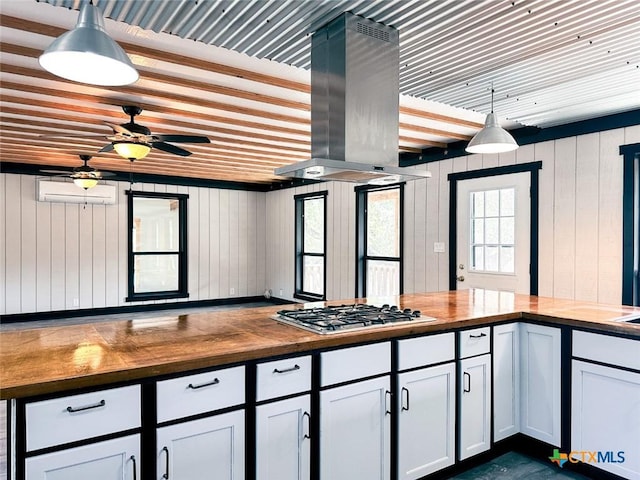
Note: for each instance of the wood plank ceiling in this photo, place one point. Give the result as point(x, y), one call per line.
point(239, 75)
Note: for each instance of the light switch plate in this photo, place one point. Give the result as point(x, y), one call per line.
point(438, 247)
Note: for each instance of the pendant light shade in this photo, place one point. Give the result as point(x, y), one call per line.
point(85, 182)
point(492, 138)
point(131, 150)
point(87, 54)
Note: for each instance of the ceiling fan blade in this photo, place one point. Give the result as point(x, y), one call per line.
point(167, 147)
point(107, 148)
point(182, 138)
point(57, 172)
point(119, 129)
point(71, 135)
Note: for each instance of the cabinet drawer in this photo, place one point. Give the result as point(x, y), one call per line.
point(474, 342)
point(607, 349)
point(77, 417)
point(283, 377)
point(352, 363)
point(421, 351)
point(200, 393)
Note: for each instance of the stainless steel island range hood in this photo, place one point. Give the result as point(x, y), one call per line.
point(354, 105)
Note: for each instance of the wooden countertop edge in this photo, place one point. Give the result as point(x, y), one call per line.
point(307, 343)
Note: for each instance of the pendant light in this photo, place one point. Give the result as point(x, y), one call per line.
point(87, 54)
point(492, 138)
point(131, 150)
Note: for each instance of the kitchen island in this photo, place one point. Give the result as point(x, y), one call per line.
point(140, 357)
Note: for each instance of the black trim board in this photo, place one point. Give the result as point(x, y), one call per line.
point(529, 135)
point(86, 312)
point(533, 168)
point(630, 285)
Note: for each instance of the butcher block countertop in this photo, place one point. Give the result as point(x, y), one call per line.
point(54, 359)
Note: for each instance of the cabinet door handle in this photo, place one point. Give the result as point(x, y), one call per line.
point(307, 435)
point(478, 336)
point(166, 463)
point(292, 369)
point(215, 381)
point(101, 403)
point(402, 397)
point(387, 401)
point(467, 380)
point(135, 467)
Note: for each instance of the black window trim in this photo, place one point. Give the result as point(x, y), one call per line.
point(630, 240)
point(361, 236)
point(183, 272)
point(299, 293)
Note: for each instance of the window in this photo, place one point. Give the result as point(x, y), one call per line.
point(311, 244)
point(379, 241)
point(157, 246)
point(492, 231)
point(631, 224)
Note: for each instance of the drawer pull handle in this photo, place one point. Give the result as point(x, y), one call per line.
point(101, 403)
point(387, 398)
point(308, 432)
point(166, 464)
point(478, 336)
point(286, 370)
point(135, 468)
point(202, 385)
point(467, 375)
point(402, 392)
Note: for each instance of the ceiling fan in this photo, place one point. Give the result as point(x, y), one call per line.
point(85, 176)
point(134, 141)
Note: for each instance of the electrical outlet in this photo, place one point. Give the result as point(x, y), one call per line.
point(438, 247)
point(76, 302)
point(232, 291)
point(281, 292)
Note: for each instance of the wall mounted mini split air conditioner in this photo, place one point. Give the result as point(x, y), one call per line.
point(68, 192)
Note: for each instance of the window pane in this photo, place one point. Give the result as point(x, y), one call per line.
point(491, 230)
point(314, 225)
point(155, 224)
point(507, 231)
point(478, 231)
point(383, 278)
point(492, 203)
point(507, 203)
point(477, 259)
point(155, 273)
point(313, 275)
point(383, 223)
point(477, 204)
point(491, 259)
point(507, 260)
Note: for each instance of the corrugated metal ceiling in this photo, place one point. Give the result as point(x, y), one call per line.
point(534, 51)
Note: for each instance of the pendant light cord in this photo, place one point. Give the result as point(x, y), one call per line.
point(492, 97)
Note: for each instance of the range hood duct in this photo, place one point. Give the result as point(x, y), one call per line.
point(354, 105)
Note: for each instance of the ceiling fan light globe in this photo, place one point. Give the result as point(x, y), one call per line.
point(87, 54)
point(492, 138)
point(85, 183)
point(132, 150)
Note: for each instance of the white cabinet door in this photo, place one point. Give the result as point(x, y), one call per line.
point(211, 448)
point(282, 440)
point(426, 422)
point(506, 381)
point(355, 425)
point(605, 417)
point(109, 460)
point(540, 382)
point(475, 405)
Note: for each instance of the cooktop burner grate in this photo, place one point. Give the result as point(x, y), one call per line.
point(334, 319)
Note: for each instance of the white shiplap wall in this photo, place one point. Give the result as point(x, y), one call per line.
point(580, 221)
point(56, 256)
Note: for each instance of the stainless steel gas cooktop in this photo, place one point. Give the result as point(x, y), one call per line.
point(336, 319)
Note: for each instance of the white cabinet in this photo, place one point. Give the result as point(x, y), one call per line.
point(117, 459)
point(283, 450)
point(540, 371)
point(426, 420)
point(355, 425)
point(474, 386)
point(211, 447)
point(506, 380)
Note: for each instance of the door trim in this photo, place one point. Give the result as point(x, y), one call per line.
point(454, 178)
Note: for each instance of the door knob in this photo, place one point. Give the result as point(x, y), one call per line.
point(460, 278)
point(461, 266)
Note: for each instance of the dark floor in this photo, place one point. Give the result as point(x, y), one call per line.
point(514, 466)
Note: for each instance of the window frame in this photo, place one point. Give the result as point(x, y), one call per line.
point(300, 254)
point(630, 222)
point(362, 193)
point(183, 290)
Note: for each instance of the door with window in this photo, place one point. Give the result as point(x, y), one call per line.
point(493, 233)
